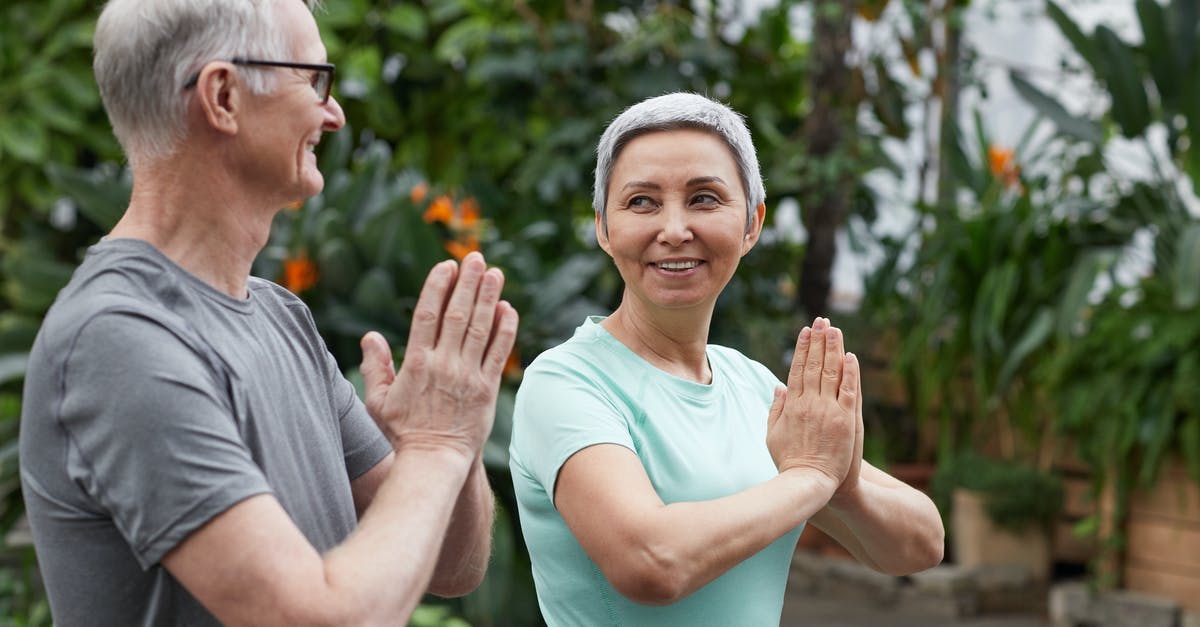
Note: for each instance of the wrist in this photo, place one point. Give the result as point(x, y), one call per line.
point(436, 447)
point(824, 485)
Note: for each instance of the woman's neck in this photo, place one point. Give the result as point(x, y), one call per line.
point(673, 341)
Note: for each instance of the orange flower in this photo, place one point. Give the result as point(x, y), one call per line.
point(1000, 161)
point(299, 273)
point(468, 212)
point(459, 248)
point(418, 193)
point(512, 366)
point(441, 210)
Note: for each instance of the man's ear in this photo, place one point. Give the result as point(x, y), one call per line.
point(755, 230)
point(220, 96)
point(602, 235)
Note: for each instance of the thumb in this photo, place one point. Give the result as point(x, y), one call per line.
point(377, 368)
point(776, 406)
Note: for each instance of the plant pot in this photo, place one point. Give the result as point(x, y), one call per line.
point(1162, 551)
point(977, 541)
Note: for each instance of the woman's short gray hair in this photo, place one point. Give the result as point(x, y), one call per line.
point(146, 50)
point(672, 112)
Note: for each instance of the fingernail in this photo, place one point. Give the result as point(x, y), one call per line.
point(819, 324)
point(805, 333)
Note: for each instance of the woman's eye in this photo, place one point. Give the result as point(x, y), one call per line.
point(641, 202)
point(705, 199)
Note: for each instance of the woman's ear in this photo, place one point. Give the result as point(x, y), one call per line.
point(220, 96)
point(755, 229)
point(602, 234)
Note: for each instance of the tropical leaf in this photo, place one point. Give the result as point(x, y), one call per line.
point(1130, 107)
point(1075, 126)
point(1079, 41)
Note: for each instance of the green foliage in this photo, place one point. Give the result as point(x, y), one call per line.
point(22, 600)
point(52, 110)
point(1015, 495)
point(989, 282)
point(1127, 381)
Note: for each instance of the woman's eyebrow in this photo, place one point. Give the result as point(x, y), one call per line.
point(641, 185)
point(704, 180)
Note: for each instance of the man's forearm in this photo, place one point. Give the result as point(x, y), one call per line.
point(467, 546)
point(393, 553)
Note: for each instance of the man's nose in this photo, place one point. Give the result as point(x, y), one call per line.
point(335, 118)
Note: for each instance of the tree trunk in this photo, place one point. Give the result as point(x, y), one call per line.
point(832, 117)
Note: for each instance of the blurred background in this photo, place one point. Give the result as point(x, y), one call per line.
point(994, 198)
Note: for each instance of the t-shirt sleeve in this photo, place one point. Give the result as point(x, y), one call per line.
point(363, 444)
point(560, 411)
point(151, 433)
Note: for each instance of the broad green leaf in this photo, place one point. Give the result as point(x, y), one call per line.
point(1186, 272)
point(1157, 42)
point(1035, 335)
point(1074, 126)
point(1075, 299)
point(1081, 42)
point(1130, 107)
point(22, 137)
point(408, 21)
point(101, 195)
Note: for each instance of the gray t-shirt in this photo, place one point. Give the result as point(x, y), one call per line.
point(154, 402)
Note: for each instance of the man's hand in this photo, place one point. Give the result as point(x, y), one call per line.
point(811, 424)
point(445, 392)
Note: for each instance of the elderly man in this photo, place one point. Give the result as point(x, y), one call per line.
point(190, 453)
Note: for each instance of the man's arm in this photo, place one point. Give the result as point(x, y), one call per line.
point(251, 564)
point(465, 552)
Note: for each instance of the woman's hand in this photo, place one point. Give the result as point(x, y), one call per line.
point(813, 424)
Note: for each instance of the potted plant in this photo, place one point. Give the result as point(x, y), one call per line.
point(998, 511)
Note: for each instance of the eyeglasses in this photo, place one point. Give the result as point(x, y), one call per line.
point(322, 80)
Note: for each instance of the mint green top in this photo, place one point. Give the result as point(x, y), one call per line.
point(697, 442)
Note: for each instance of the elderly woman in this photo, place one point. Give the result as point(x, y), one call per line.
point(662, 480)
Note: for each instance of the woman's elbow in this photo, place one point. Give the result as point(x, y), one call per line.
point(648, 577)
point(924, 551)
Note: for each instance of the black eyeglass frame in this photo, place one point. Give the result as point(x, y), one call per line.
point(325, 69)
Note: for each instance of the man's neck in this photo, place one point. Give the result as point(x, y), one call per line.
point(198, 220)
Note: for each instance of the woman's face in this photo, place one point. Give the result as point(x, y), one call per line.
point(677, 218)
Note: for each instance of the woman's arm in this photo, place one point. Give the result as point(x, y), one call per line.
point(655, 553)
point(885, 523)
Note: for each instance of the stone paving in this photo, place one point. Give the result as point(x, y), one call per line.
point(828, 591)
point(825, 592)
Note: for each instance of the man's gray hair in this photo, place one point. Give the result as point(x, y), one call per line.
point(146, 50)
point(673, 112)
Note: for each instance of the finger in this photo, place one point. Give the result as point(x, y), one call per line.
point(427, 315)
point(479, 331)
point(502, 342)
point(849, 393)
point(378, 370)
point(859, 397)
point(795, 378)
point(462, 302)
point(814, 364)
point(776, 406)
point(831, 374)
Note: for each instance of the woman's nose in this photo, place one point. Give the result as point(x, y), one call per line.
point(676, 228)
